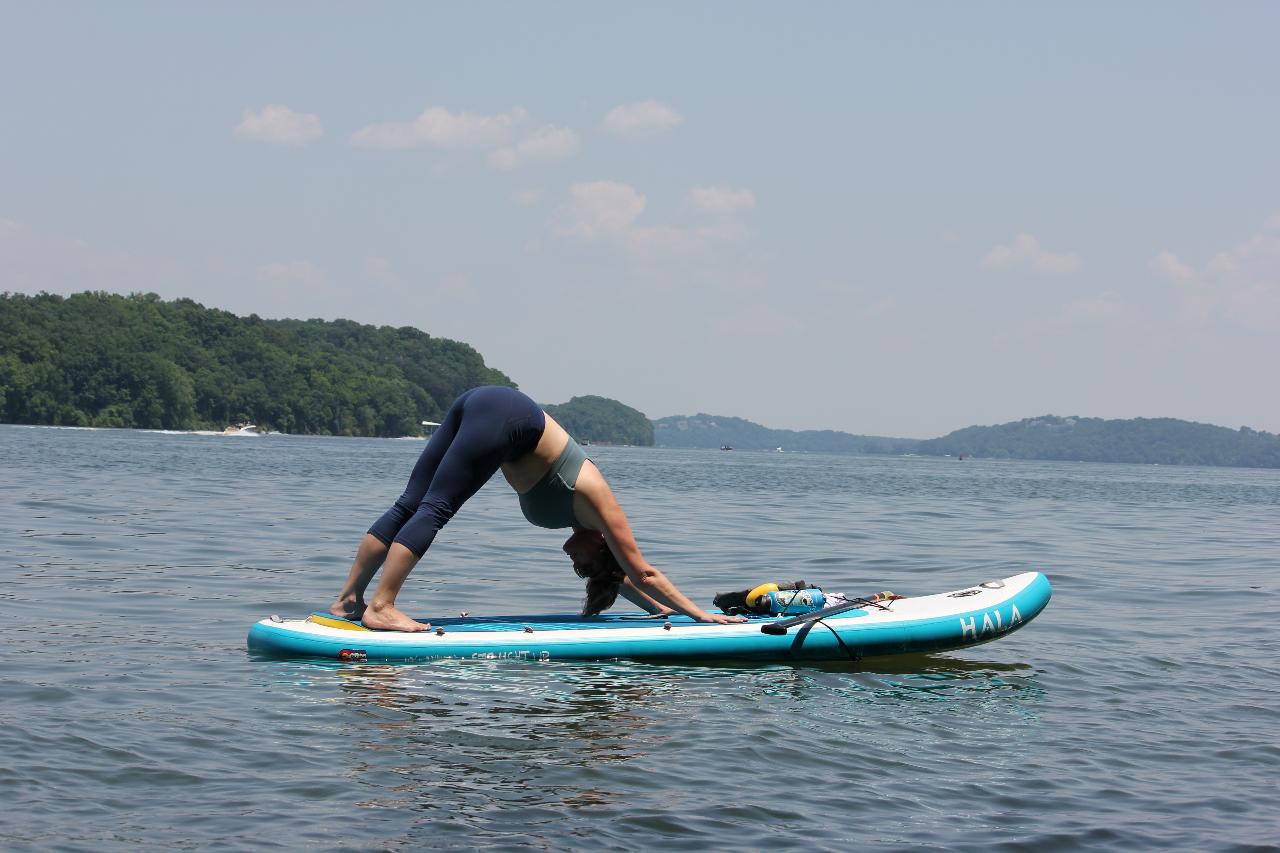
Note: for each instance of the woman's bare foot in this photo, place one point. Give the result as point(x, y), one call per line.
point(388, 618)
point(348, 607)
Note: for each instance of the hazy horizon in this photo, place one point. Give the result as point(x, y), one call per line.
point(1029, 417)
point(891, 220)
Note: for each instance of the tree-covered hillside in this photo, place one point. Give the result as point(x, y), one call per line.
point(715, 431)
point(100, 359)
point(1145, 440)
point(599, 419)
point(1141, 440)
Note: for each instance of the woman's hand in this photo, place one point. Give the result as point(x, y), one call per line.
point(721, 619)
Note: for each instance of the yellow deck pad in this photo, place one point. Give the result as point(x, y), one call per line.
point(331, 622)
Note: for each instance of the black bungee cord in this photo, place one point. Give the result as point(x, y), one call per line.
point(852, 654)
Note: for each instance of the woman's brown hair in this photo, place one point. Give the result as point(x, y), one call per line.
point(600, 569)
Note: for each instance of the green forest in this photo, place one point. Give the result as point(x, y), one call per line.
point(716, 431)
point(1163, 441)
point(105, 360)
point(604, 421)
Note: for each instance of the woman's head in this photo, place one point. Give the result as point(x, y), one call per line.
point(595, 563)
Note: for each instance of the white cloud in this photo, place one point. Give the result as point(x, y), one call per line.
point(1240, 285)
point(609, 211)
point(1255, 306)
point(455, 284)
point(526, 197)
point(36, 257)
point(1104, 306)
point(279, 125)
point(1247, 279)
point(661, 237)
point(1027, 253)
point(879, 308)
point(723, 199)
point(302, 272)
point(851, 301)
point(1223, 263)
point(1168, 265)
point(544, 145)
point(641, 119)
point(17, 236)
point(1198, 305)
point(754, 323)
point(837, 287)
point(380, 270)
point(438, 128)
point(599, 209)
point(1260, 250)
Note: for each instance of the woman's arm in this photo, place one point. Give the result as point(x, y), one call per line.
point(596, 507)
point(644, 602)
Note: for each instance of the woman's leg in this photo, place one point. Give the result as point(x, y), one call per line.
point(374, 546)
point(388, 526)
point(471, 459)
point(369, 557)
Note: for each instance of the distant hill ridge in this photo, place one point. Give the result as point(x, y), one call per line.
point(104, 360)
point(703, 430)
point(604, 421)
point(1164, 441)
point(100, 359)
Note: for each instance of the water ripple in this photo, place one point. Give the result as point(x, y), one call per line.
point(1138, 712)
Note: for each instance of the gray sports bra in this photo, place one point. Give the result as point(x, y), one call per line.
point(550, 502)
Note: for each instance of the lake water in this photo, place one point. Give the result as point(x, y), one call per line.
point(1141, 710)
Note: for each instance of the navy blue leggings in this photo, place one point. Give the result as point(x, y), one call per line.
point(482, 429)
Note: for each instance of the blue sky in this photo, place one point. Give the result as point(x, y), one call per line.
point(894, 219)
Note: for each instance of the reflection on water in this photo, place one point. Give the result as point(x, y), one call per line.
point(467, 742)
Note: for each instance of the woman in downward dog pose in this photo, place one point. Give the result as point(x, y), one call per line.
point(492, 428)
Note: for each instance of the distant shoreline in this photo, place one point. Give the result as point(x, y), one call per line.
point(98, 359)
point(1149, 441)
point(921, 453)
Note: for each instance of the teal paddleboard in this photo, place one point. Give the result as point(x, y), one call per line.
point(929, 623)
